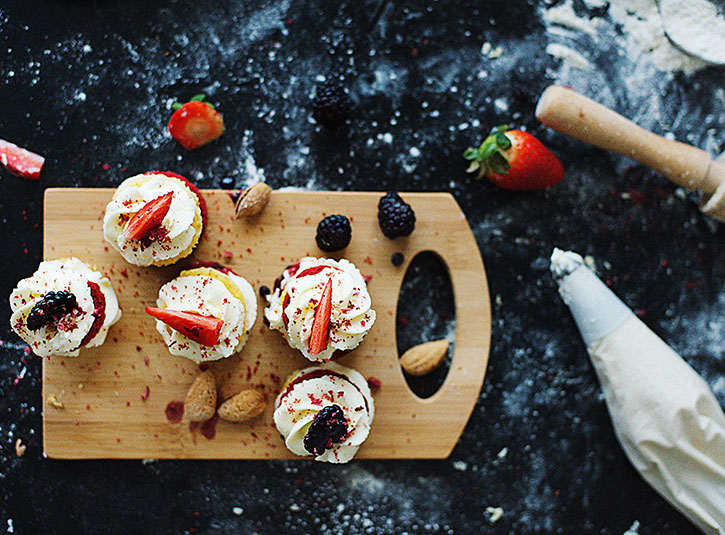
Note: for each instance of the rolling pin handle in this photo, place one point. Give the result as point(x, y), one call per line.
point(570, 113)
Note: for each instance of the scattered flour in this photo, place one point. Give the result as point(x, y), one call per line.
point(564, 15)
point(494, 514)
point(642, 25)
point(574, 58)
point(461, 466)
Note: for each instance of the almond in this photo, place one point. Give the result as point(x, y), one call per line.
point(243, 406)
point(253, 200)
point(424, 358)
point(200, 403)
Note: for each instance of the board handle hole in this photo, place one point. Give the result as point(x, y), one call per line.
point(426, 312)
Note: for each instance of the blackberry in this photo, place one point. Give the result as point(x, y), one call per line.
point(397, 259)
point(50, 308)
point(331, 105)
point(328, 427)
point(333, 233)
point(395, 216)
point(264, 291)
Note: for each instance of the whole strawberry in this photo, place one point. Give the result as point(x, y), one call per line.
point(195, 123)
point(513, 159)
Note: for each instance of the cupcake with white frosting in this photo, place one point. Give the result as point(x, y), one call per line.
point(205, 313)
point(64, 306)
point(155, 218)
point(325, 411)
point(321, 306)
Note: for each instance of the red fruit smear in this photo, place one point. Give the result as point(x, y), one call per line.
point(311, 271)
point(374, 383)
point(99, 312)
point(285, 302)
point(175, 411)
point(213, 265)
point(208, 428)
point(314, 374)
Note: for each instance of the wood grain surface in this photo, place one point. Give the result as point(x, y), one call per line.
point(104, 414)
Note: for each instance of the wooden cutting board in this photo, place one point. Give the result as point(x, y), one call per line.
point(104, 415)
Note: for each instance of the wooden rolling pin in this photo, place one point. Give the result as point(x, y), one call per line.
point(570, 113)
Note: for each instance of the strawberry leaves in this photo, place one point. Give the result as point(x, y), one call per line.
point(201, 97)
point(488, 155)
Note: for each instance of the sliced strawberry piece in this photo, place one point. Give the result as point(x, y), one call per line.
point(320, 335)
point(20, 162)
point(202, 329)
point(192, 187)
point(196, 123)
point(148, 218)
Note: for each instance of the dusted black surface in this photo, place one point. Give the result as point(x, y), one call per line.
point(88, 84)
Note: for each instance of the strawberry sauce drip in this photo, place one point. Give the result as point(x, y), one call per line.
point(314, 374)
point(213, 265)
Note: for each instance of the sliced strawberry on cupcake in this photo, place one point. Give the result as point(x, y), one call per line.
point(195, 123)
point(515, 160)
point(148, 218)
point(155, 218)
point(320, 335)
point(205, 313)
point(202, 329)
point(20, 162)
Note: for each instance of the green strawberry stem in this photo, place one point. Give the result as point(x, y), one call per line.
point(488, 157)
point(200, 97)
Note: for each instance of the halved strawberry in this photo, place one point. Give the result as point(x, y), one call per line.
point(513, 159)
point(192, 187)
point(202, 329)
point(195, 123)
point(148, 218)
point(20, 162)
point(320, 335)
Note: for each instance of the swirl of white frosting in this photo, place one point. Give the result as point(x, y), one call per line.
point(209, 296)
point(310, 390)
point(181, 225)
point(291, 308)
point(64, 337)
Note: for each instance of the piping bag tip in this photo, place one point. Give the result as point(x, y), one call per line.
point(564, 262)
point(596, 309)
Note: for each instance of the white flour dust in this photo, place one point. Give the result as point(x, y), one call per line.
point(643, 29)
point(696, 25)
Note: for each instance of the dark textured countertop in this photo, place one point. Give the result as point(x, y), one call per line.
point(89, 85)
